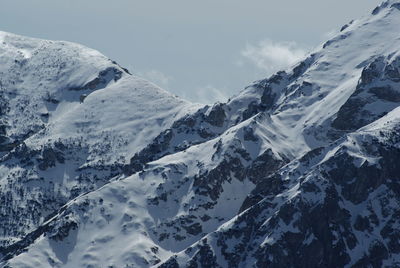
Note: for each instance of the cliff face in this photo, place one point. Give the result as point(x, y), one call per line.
point(101, 168)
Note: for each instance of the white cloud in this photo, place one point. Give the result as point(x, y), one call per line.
point(273, 56)
point(157, 77)
point(329, 35)
point(201, 94)
point(209, 94)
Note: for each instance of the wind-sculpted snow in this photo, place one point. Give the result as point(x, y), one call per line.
point(377, 93)
point(297, 170)
point(69, 118)
point(335, 207)
point(311, 102)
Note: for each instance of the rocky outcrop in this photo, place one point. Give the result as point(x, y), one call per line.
point(379, 88)
point(340, 212)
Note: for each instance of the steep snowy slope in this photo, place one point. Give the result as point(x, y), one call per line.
point(69, 119)
point(310, 103)
point(340, 89)
point(335, 207)
point(58, 85)
point(299, 169)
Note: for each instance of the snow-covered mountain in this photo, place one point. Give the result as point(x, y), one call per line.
point(70, 118)
point(100, 168)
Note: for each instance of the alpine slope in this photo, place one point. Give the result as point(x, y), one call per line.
point(100, 168)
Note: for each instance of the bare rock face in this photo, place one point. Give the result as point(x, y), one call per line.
point(310, 219)
point(378, 86)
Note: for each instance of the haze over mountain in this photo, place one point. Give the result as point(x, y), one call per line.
point(203, 51)
point(100, 168)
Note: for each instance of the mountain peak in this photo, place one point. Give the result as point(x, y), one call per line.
point(389, 4)
point(102, 168)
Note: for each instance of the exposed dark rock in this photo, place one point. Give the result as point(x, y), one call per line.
point(193, 229)
point(354, 113)
point(171, 263)
point(205, 257)
point(249, 135)
point(277, 78)
point(252, 109)
point(320, 234)
point(344, 27)
point(264, 165)
point(217, 115)
point(334, 40)
point(63, 231)
point(210, 183)
point(268, 97)
point(372, 71)
point(151, 152)
point(379, 8)
point(362, 224)
point(395, 5)
point(311, 154)
point(49, 158)
point(102, 80)
point(386, 93)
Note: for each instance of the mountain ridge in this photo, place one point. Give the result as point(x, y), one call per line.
point(297, 170)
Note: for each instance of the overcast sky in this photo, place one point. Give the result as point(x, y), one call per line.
point(200, 50)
